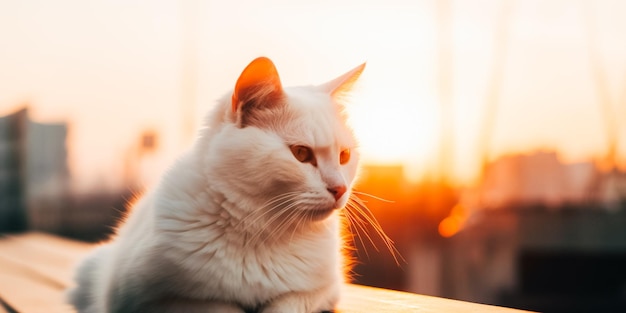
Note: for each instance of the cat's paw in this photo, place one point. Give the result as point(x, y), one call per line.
point(195, 306)
point(314, 302)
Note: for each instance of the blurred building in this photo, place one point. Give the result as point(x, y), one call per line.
point(542, 178)
point(35, 184)
point(34, 176)
point(540, 234)
point(567, 260)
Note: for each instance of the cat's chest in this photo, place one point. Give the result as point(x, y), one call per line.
point(256, 274)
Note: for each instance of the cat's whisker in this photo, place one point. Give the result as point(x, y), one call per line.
point(300, 221)
point(362, 231)
point(261, 233)
point(354, 232)
point(362, 245)
point(362, 226)
point(276, 215)
point(353, 206)
point(280, 199)
point(360, 207)
point(283, 225)
point(285, 220)
point(360, 193)
point(286, 201)
point(368, 215)
point(371, 221)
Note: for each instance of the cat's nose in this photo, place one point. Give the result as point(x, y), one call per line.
point(337, 191)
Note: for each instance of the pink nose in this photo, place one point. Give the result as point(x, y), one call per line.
point(337, 191)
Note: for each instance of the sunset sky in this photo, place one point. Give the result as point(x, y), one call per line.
point(112, 69)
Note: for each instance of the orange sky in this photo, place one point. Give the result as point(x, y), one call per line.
point(114, 68)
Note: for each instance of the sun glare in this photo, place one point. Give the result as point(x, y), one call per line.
point(393, 128)
point(395, 108)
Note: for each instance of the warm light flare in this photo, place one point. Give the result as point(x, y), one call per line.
point(394, 130)
point(454, 222)
point(449, 226)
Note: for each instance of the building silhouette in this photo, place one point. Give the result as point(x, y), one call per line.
point(34, 175)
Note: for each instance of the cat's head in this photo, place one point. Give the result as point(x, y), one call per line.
point(283, 153)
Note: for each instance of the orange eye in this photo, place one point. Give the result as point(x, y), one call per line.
point(344, 156)
point(303, 154)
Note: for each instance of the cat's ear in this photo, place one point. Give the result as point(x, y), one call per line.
point(344, 82)
point(258, 86)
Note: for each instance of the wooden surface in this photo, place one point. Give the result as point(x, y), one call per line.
point(35, 268)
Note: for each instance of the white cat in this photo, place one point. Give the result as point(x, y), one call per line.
point(248, 220)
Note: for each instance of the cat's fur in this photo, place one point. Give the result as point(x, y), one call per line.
point(238, 224)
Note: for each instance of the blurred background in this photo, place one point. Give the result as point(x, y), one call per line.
point(496, 129)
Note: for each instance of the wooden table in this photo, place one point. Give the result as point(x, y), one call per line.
point(35, 268)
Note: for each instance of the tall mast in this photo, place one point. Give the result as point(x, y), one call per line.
point(189, 75)
point(495, 83)
point(602, 88)
point(445, 68)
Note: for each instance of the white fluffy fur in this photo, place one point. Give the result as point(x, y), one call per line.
point(237, 224)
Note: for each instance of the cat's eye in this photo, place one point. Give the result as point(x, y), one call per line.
point(344, 156)
point(303, 154)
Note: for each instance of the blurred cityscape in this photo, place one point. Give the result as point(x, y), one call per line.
point(534, 232)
